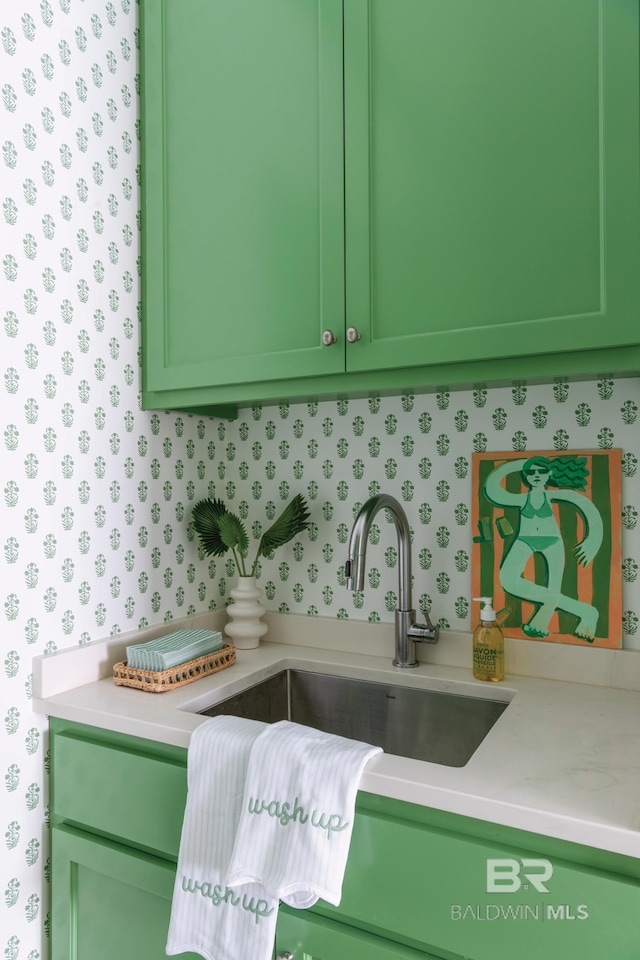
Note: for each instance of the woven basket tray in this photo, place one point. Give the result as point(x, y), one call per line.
point(158, 681)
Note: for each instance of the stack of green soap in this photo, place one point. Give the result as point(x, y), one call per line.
point(175, 648)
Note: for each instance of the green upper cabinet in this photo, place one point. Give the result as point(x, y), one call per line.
point(456, 182)
point(492, 178)
point(243, 179)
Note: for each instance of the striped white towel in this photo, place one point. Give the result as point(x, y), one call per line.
point(297, 813)
point(172, 649)
point(207, 917)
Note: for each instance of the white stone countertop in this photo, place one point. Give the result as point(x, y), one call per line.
point(563, 760)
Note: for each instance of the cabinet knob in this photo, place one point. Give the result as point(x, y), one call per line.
point(328, 338)
point(352, 334)
point(285, 956)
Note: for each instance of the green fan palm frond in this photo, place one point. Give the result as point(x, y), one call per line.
point(234, 535)
point(207, 515)
point(220, 530)
point(292, 521)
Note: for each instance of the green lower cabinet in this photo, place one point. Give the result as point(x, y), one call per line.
point(444, 885)
point(306, 937)
point(419, 882)
point(111, 902)
point(108, 902)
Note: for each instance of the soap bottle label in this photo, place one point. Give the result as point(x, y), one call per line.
point(487, 662)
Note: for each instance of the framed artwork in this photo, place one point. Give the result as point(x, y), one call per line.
point(548, 543)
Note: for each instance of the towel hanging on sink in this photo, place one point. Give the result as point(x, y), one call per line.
point(206, 916)
point(297, 813)
point(269, 816)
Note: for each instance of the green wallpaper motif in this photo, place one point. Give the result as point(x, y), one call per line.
point(419, 449)
point(97, 494)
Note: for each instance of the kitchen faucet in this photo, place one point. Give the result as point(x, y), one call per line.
point(408, 632)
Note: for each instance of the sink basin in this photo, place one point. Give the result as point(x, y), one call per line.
point(408, 722)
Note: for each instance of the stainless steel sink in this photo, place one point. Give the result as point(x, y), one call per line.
point(409, 722)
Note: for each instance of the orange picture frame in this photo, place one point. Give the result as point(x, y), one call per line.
point(547, 544)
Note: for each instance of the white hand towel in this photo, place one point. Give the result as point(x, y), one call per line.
point(297, 814)
point(207, 917)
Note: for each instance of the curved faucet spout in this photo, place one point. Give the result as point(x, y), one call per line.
point(355, 567)
point(407, 630)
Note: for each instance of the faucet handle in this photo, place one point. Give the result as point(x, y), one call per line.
point(426, 633)
point(427, 618)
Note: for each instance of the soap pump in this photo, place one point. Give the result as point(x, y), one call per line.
point(488, 644)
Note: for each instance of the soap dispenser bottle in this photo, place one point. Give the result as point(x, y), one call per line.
point(488, 644)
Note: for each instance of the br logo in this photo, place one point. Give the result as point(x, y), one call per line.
point(507, 875)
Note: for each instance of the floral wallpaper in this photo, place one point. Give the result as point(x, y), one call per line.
point(419, 449)
point(97, 494)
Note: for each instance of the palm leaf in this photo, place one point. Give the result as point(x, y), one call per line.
point(292, 521)
point(233, 533)
point(207, 515)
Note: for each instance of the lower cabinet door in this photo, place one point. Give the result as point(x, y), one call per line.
point(113, 903)
point(303, 936)
point(108, 902)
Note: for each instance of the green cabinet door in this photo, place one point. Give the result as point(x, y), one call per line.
point(418, 883)
point(492, 186)
point(305, 937)
point(243, 214)
point(458, 182)
point(108, 902)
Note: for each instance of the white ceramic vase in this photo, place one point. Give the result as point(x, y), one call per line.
point(245, 626)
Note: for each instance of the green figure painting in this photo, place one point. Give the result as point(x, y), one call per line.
point(548, 543)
